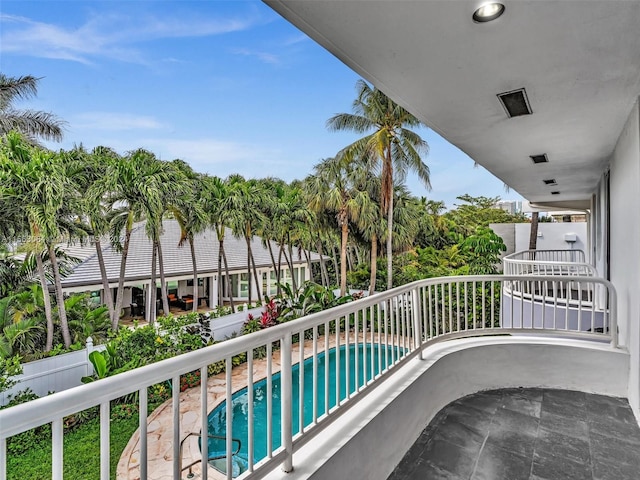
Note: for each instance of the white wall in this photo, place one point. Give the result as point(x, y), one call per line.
point(551, 236)
point(625, 244)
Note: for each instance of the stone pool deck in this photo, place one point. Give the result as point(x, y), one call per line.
point(160, 421)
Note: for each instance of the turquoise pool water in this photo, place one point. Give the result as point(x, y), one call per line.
point(218, 418)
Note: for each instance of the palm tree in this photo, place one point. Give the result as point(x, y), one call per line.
point(35, 182)
point(133, 188)
point(32, 124)
point(246, 198)
point(332, 187)
point(216, 206)
point(391, 144)
point(190, 215)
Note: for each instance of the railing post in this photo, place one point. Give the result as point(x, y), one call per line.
point(417, 324)
point(286, 401)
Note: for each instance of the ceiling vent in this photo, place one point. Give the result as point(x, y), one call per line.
point(555, 193)
point(551, 181)
point(539, 158)
point(515, 102)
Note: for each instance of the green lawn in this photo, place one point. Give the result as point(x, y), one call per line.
point(81, 452)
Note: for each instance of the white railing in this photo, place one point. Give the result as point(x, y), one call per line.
point(382, 330)
point(565, 256)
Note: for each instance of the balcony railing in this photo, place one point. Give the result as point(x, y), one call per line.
point(548, 262)
point(383, 330)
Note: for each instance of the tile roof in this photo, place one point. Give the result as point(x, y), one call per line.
point(177, 260)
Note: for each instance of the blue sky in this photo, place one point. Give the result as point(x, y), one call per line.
point(230, 87)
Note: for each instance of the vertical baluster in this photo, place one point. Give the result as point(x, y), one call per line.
point(457, 306)
point(315, 374)
point(175, 410)
point(382, 324)
point(338, 362)
point(402, 313)
point(555, 305)
point(57, 449)
point(531, 311)
point(593, 314)
point(301, 381)
point(347, 354)
point(466, 307)
point(493, 304)
point(229, 414)
point(204, 422)
point(484, 294)
point(250, 415)
point(105, 454)
point(286, 402)
point(443, 303)
point(326, 367)
point(356, 342)
point(430, 295)
point(579, 306)
point(450, 302)
point(475, 310)
point(417, 324)
point(392, 331)
point(3, 458)
point(142, 421)
point(270, 400)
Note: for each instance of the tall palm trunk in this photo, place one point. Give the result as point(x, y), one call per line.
point(289, 260)
point(226, 270)
point(374, 263)
point(220, 250)
point(249, 281)
point(46, 298)
point(294, 280)
point(108, 299)
point(324, 276)
point(278, 279)
point(195, 274)
point(62, 311)
point(349, 258)
point(343, 259)
point(120, 292)
point(307, 257)
point(153, 292)
point(255, 272)
point(390, 243)
point(163, 281)
point(335, 263)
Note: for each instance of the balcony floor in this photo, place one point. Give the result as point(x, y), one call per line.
point(527, 434)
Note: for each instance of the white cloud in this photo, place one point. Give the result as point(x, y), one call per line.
point(109, 35)
point(265, 57)
point(115, 121)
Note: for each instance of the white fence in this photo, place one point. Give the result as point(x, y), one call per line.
point(61, 372)
point(414, 316)
point(53, 374)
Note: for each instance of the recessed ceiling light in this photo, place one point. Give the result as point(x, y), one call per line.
point(515, 102)
point(555, 193)
point(551, 181)
point(487, 12)
point(542, 158)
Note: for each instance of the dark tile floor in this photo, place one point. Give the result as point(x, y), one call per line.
point(527, 434)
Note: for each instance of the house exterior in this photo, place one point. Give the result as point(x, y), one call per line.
point(179, 270)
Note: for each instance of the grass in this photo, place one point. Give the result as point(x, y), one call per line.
point(81, 452)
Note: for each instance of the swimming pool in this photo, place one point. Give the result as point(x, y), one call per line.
point(217, 418)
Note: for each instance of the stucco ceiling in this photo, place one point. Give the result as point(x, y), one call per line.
point(578, 60)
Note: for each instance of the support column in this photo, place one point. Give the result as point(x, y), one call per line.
point(147, 302)
point(213, 291)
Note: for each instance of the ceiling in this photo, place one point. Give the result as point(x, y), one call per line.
point(578, 60)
